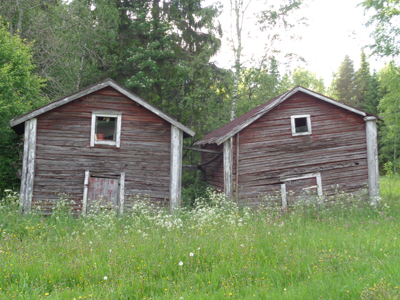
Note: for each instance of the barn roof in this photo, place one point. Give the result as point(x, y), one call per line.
point(17, 123)
point(230, 129)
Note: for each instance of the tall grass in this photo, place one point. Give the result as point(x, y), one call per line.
point(214, 251)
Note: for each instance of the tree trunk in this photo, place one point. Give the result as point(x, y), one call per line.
point(237, 51)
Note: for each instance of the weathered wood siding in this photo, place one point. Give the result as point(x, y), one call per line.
point(268, 152)
point(214, 171)
point(63, 151)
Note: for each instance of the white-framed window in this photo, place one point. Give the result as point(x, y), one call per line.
point(301, 125)
point(105, 129)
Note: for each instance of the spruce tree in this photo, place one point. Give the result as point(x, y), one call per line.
point(343, 86)
point(362, 83)
point(373, 94)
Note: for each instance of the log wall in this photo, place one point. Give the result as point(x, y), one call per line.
point(63, 151)
point(268, 151)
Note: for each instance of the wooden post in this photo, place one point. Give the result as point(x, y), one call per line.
point(283, 192)
point(30, 172)
point(176, 167)
point(237, 168)
point(22, 192)
point(228, 164)
point(85, 192)
point(372, 158)
point(121, 193)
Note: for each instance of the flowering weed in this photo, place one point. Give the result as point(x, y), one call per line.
point(213, 250)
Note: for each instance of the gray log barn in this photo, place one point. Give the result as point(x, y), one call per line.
point(300, 141)
point(103, 143)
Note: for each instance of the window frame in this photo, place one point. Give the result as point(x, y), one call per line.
point(117, 142)
point(293, 124)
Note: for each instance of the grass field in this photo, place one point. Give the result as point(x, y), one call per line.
point(210, 252)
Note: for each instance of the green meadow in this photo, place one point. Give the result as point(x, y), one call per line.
point(211, 251)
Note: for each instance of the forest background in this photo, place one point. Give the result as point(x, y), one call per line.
point(162, 50)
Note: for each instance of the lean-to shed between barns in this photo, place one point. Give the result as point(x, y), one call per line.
point(103, 143)
point(300, 141)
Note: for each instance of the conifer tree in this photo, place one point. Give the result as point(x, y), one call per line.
point(362, 82)
point(373, 94)
point(343, 86)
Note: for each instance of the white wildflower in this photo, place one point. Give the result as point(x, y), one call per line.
point(180, 263)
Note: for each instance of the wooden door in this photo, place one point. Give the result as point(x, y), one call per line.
point(301, 191)
point(103, 191)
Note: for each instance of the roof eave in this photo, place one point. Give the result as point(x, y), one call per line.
point(18, 120)
point(268, 108)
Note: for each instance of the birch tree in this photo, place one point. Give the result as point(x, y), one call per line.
point(268, 21)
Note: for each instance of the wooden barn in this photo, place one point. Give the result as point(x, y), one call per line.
point(103, 143)
point(300, 141)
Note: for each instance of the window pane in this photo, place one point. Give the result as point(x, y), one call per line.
point(301, 125)
point(105, 128)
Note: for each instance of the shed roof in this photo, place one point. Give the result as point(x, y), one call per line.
point(17, 123)
point(230, 129)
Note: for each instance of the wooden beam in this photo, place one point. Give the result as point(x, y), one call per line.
point(122, 193)
point(202, 150)
point(31, 164)
point(22, 192)
point(176, 167)
point(372, 158)
point(191, 167)
point(85, 192)
point(228, 164)
point(211, 160)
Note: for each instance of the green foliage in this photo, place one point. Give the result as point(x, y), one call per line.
point(343, 85)
point(258, 85)
point(214, 250)
point(362, 83)
point(389, 109)
point(308, 80)
point(193, 187)
point(384, 21)
point(19, 93)
point(373, 94)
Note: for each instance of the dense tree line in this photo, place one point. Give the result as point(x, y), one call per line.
point(162, 51)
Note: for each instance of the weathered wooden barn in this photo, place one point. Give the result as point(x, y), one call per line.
point(300, 141)
point(103, 143)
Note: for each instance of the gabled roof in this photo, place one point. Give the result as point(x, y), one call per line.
point(230, 129)
point(18, 121)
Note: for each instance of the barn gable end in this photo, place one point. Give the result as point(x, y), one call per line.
point(270, 158)
point(144, 161)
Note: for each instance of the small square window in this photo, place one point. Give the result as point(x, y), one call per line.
point(106, 129)
point(301, 125)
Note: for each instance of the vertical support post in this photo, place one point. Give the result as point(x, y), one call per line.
point(22, 191)
point(237, 168)
point(283, 192)
point(372, 158)
point(85, 192)
point(228, 164)
point(176, 167)
point(29, 160)
point(122, 193)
